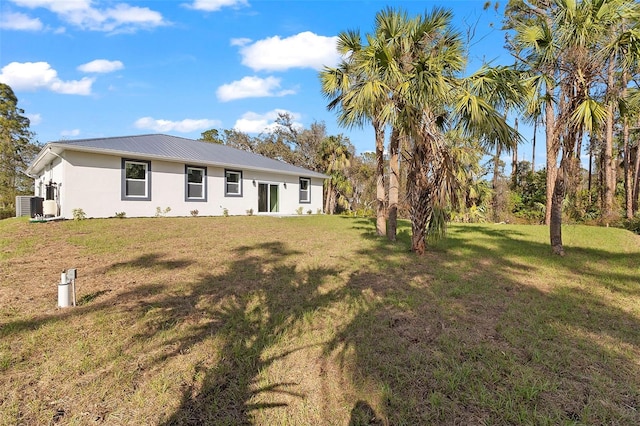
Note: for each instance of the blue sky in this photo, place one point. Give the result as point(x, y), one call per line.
point(85, 69)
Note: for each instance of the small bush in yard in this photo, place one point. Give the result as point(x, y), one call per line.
point(78, 214)
point(632, 224)
point(162, 213)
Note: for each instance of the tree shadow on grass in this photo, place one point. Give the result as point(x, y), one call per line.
point(259, 298)
point(592, 262)
point(363, 414)
point(94, 301)
point(88, 298)
point(249, 308)
point(496, 350)
point(452, 337)
point(150, 261)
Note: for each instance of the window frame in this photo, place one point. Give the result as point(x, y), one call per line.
point(226, 183)
point(308, 191)
point(203, 198)
point(147, 180)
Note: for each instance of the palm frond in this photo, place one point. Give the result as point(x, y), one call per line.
point(589, 114)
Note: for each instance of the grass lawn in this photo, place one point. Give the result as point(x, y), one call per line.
point(313, 320)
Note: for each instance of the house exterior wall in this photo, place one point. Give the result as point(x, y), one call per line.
point(93, 182)
point(52, 174)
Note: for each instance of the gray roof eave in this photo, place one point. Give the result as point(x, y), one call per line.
point(54, 149)
point(46, 153)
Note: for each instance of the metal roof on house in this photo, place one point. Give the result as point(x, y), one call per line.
point(171, 148)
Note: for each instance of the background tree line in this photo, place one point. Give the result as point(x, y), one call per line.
point(581, 58)
point(17, 149)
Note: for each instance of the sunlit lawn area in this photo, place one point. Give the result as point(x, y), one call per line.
point(313, 320)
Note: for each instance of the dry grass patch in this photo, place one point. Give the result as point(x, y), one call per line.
point(314, 320)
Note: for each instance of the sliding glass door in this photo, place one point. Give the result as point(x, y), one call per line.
point(267, 198)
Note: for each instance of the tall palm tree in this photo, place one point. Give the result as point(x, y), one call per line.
point(534, 49)
point(427, 59)
point(379, 69)
point(439, 98)
point(394, 46)
point(355, 91)
point(381, 76)
point(408, 77)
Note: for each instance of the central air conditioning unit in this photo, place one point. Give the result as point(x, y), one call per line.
point(27, 205)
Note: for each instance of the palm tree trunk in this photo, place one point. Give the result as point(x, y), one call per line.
point(589, 178)
point(496, 174)
point(419, 221)
point(381, 223)
point(334, 201)
point(533, 151)
point(628, 177)
point(609, 170)
point(555, 224)
point(327, 201)
point(394, 180)
point(552, 148)
point(420, 202)
point(514, 160)
point(571, 164)
point(636, 179)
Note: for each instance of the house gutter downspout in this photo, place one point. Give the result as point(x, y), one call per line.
point(55, 153)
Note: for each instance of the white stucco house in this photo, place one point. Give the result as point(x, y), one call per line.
point(139, 174)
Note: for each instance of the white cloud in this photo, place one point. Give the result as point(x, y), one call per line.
point(251, 87)
point(101, 66)
point(70, 133)
point(240, 41)
point(80, 13)
point(34, 119)
point(185, 126)
point(215, 5)
point(123, 14)
point(304, 50)
point(20, 22)
point(40, 75)
point(252, 122)
point(57, 6)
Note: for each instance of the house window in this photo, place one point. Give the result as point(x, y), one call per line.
point(196, 181)
point(305, 190)
point(233, 183)
point(136, 180)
